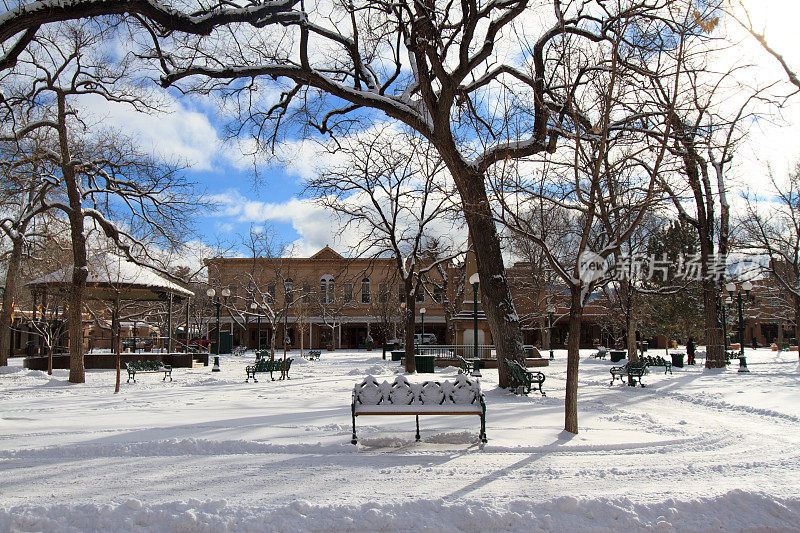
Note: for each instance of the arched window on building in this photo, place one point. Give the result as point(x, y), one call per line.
point(326, 289)
point(365, 296)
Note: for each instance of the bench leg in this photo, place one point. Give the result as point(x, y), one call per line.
point(483, 427)
point(417, 437)
point(354, 440)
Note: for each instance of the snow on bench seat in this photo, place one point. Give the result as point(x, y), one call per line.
point(462, 397)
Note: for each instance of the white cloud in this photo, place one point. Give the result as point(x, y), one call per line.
point(175, 134)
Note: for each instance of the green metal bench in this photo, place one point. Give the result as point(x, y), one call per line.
point(524, 379)
point(465, 367)
point(658, 361)
point(268, 365)
point(633, 370)
point(313, 355)
point(147, 367)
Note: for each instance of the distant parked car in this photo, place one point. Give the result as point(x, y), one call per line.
point(427, 338)
point(200, 343)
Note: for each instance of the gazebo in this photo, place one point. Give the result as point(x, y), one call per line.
point(113, 278)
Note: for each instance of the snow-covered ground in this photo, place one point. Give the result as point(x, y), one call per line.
point(697, 450)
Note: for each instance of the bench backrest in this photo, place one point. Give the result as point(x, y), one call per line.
point(143, 366)
point(516, 369)
point(636, 365)
point(463, 391)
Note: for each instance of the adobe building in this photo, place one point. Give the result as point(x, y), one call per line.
point(327, 300)
point(321, 301)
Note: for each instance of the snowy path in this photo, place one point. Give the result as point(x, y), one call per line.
point(694, 434)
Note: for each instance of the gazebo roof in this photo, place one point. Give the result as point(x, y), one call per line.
point(110, 274)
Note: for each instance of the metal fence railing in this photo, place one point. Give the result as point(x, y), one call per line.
point(467, 351)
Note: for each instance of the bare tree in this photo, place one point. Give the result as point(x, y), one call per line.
point(582, 206)
point(391, 188)
point(102, 178)
point(24, 184)
point(741, 15)
point(442, 69)
point(771, 225)
point(25, 19)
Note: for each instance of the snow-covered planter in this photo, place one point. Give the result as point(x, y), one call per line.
point(462, 397)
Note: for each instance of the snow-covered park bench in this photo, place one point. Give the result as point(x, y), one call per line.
point(147, 367)
point(463, 397)
point(523, 379)
point(313, 355)
point(633, 370)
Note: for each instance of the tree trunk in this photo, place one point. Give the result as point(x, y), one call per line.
point(495, 294)
point(11, 290)
point(411, 362)
point(573, 359)
point(780, 334)
point(80, 270)
point(715, 350)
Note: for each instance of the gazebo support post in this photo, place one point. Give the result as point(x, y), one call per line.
point(186, 330)
point(115, 336)
point(169, 324)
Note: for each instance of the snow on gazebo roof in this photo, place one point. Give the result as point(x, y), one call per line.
point(110, 274)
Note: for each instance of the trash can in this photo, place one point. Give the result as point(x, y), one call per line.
point(425, 364)
point(397, 355)
point(677, 360)
point(645, 346)
point(617, 355)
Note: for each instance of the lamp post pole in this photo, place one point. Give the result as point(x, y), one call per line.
point(254, 308)
point(551, 311)
point(475, 281)
point(725, 302)
point(732, 289)
point(218, 303)
point(422, 316)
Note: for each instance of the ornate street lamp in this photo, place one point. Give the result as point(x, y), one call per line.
point(475, 281)
point(422, 315)
point(218, 302)
point(737, 292)
point(726, 302)
point(551, 310)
